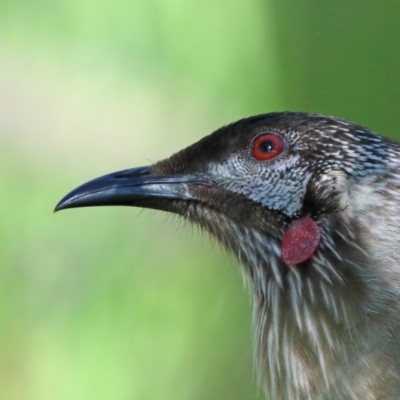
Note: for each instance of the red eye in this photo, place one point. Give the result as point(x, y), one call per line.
point(267, 147)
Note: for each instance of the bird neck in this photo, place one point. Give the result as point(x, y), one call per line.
point(317, 325)
point(327, 328)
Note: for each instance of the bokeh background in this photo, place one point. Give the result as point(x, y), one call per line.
point(114, 303)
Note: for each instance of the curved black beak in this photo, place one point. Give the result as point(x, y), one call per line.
point(128, 187)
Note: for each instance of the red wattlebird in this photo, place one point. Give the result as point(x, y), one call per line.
point(310, 206)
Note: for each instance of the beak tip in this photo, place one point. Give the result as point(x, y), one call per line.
point(65, 203)
point(60, 206)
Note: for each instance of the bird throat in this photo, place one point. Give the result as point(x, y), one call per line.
point(300, 240)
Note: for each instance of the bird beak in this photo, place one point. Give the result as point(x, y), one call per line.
point(130, 187)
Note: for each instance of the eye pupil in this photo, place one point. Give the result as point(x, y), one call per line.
point(268, 146)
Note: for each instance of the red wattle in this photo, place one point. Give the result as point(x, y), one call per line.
point(300, 241)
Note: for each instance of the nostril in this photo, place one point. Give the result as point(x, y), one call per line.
point(132, 173)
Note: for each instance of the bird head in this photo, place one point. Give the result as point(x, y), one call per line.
point(278, 175)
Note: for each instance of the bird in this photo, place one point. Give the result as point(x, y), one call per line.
point(309, 205)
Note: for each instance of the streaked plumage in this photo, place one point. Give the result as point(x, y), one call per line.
point(329, 327)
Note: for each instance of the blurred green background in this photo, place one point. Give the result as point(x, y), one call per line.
point(114, 303)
